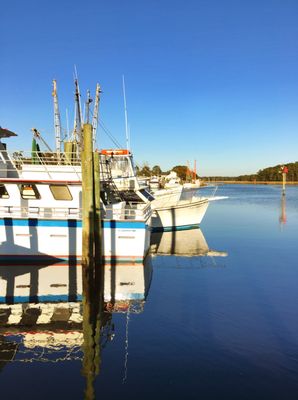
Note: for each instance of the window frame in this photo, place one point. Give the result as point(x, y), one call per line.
point(51, 186)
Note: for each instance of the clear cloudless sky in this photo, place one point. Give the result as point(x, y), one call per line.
point(211, 80)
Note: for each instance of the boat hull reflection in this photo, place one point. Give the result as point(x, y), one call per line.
point(190, 242)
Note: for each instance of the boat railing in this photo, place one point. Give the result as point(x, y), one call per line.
point(28, 162)
point(45, 158)
point(60, 213)
point(50, 163)
point(185, 196)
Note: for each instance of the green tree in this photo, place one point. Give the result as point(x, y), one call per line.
point(181, 171)
point(156, 170)
point(145, 170)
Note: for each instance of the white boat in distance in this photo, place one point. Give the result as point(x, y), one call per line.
point(175, 208)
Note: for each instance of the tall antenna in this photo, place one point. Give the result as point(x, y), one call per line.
point(95, 112)
point(195, 170)
point(57, 119)
point(125, 114)
point(67, 124)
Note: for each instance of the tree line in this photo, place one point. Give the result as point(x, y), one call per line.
point(182, 171)
point(269, 174)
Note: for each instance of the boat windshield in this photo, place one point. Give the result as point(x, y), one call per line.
point(146, 194)
point(120, 167)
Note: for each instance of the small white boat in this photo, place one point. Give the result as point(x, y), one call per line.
point(171, 214)
point(175, 208)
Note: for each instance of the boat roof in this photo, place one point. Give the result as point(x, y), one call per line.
point(5, 133)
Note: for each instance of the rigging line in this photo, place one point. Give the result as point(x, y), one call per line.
point(114, 140)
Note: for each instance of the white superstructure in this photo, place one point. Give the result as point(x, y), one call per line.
point(41, 208)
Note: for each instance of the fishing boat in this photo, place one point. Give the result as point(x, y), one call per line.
point(175, 208)
point(41, 211)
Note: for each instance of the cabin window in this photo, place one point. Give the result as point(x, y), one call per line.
point(3, 192)
point(29, 192)
point(60, 192)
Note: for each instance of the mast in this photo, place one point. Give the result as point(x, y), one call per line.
point(88, 102)
point(57, 119)
point(125, 114)
point(195, 171)
point(78, 115)
point(95, 112)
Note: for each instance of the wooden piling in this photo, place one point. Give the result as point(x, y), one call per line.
point(87, 197)
point(92, 269)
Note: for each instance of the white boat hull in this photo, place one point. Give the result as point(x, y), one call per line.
point(178, 216)
point(41, 240)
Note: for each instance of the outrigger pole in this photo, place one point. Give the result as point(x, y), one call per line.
point(95, 113)
point(37, 134)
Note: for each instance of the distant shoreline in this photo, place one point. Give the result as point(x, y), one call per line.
point(231, 182)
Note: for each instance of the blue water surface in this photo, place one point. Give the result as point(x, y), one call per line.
point(212, 326)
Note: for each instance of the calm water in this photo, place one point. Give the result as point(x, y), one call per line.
point(222, 324)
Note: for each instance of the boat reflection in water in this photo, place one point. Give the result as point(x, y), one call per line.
point(190, 242)
point(53, 313)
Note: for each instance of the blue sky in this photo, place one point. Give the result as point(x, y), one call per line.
point(211, 80)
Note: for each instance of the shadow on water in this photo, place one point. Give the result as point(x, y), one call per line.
point(113, 261)
point(173, 242)
point(72, 259)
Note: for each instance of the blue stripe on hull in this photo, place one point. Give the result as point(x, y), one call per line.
point(40, 299)
point(174, 228)
point(70, 223)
